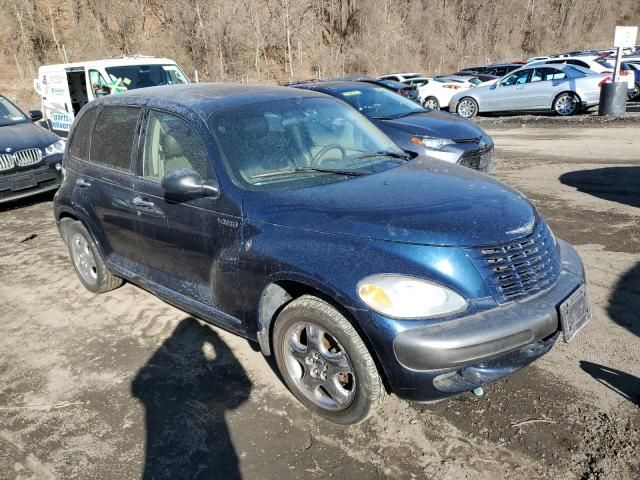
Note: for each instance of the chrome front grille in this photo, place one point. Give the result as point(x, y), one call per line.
point(21, 158)
point(26, 158)
point(520, 268)
point(6, 162)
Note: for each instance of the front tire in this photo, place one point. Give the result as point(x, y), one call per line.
point(467, 107)
point(566, 104)
point(325, 363)
point(87, 261)
point(432, 103)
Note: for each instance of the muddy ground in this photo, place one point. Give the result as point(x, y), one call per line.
point(121, 385)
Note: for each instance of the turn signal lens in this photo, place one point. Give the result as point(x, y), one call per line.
point(401, 296)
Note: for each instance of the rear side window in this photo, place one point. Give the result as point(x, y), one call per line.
point(79, 147)
point(112, 140)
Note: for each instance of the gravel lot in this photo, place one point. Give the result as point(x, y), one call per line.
point(122, 385)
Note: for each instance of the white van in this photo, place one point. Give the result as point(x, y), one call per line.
point(66, 88)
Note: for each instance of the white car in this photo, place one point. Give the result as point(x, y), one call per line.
point(399, 77)
point(436, 93)
point(593, 62)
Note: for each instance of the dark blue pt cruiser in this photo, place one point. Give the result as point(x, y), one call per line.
point(285, 216)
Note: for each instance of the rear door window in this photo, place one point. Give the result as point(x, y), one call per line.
point(113, 136)
point(79, 147)
point(546, 73)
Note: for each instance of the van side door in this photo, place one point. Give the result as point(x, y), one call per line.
point(56, 100)
point(106, 183)
point(190, 243)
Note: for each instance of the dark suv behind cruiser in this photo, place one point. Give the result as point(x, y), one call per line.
point(30, 156)
point(285, 216)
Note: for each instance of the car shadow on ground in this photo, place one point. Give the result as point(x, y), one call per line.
point(624, 301)
point(617, 184)
point(628, 386)
point(186, 387)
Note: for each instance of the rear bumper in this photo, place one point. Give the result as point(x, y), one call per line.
point(445, 358)
point(27, 182)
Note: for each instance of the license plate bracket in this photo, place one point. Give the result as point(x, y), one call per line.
point(24, 182)
point(575, 313)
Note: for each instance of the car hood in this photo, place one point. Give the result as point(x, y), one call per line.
point(434, 124)
point(423, 201)
point(25, 135)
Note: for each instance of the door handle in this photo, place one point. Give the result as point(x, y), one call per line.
point(139, 202)
point(81, 182)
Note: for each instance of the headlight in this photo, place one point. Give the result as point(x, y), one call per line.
point(433, 143)
point(54, 148)
point(401, 296)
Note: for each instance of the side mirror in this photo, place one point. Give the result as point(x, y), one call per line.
point(185, 181)
point(35, 115)
point(494, 86)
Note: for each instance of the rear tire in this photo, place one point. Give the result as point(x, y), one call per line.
point(467, 107)
point(431, 102)
point(87, 261)
point(566, 104)
point(325, 363)
point(636, 92)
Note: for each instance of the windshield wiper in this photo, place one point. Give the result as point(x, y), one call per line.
point(382, 153)
point(337, 171)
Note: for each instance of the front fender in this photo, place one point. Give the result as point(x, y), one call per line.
point(333, 265)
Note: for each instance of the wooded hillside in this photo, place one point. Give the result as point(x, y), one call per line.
point(275, 40)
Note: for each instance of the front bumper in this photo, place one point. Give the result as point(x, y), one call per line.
point(445, 358)
point(25, 182)
point(470, 155)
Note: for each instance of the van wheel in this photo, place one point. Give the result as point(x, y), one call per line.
point(87, 261)
point(325, 363)
point(432, 103)
point(566, 104)
point(467, 107)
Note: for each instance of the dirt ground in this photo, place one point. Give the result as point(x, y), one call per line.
point(121, 385)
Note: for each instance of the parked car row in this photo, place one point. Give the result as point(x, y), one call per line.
point(563, 83)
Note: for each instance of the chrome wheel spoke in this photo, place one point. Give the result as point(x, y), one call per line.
point(315, 336)
point(337, 391)
point(297, 350)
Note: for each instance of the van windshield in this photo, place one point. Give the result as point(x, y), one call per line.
point(130, 77)
point(295, 143)
point(10, 114)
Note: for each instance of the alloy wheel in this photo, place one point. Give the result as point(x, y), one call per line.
point(467, 108)
point(432, 103)
point(83, 259)
point(319, 366)
point(566, 105)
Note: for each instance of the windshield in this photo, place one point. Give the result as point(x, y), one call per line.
point(10, 114)
point(379, 103)
point(131, 77)
point(296, 143)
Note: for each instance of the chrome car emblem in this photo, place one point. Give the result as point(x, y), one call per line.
point(7, 150)
point(525, 229)
point(483, 143)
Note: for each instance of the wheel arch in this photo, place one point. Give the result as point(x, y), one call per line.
point(279, 293)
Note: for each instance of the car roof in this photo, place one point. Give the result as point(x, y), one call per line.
point(403, 74)
point(112, 62)
point(334, 85)
point(204, 98)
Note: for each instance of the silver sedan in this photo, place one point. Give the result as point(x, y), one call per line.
point(565, 89)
